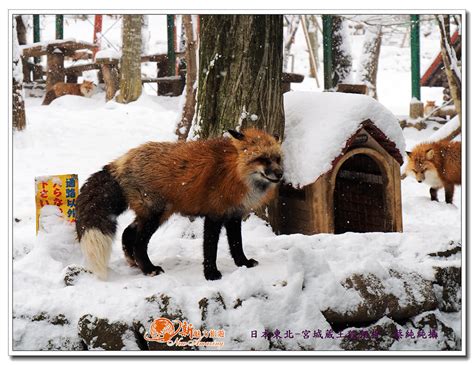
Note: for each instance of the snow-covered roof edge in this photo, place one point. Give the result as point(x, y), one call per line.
point(318, 126)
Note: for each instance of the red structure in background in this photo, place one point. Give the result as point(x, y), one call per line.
point(434, 75)
point(97, 30)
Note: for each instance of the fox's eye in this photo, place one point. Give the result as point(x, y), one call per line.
point(263, 160)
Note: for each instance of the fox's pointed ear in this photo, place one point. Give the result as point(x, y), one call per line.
point(430, 154)
point(277, 137)
point(236, 135)
point(408, 153)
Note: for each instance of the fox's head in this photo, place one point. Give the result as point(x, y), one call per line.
point(420, 162)
point(430, 103)
point(259, 157)
point(87, 88)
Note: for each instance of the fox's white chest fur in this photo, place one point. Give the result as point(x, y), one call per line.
point(432, 179)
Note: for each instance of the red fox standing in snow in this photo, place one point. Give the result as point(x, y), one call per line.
point(437, 164)
point(220, 179)
point(64, 88)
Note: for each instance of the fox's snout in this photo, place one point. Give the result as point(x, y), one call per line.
point(420, 177)
point(273, 173)
point(277, 171)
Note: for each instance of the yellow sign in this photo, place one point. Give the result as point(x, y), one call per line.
point(58, 190)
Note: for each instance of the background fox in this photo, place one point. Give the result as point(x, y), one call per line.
point(429, 107)
point(221, 179)
point(437, 164)
point(86, 89)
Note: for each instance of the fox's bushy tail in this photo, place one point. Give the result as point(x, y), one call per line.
point(100, 201)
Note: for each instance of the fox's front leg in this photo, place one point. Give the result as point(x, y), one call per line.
point(448, 193)
point(234, 236)
point(212, 229)
point(434, 194)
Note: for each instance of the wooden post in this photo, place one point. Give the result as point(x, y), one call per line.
point(37, 69)
point(415, 56)
point(109, 68)
point(171, 45)
point(416, 105)
point(59, 26)
point(56, 73)
point(97, 30)
point(327, 51)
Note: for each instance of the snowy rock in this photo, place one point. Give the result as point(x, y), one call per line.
point(447, 338)
point(356, 341)
point(57, 333)
point(449, 278)
point(100, 334)
point(73, 272)
point(400, 296)
point(211, 307)
point(160, 305)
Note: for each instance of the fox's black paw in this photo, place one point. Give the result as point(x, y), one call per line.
point(212, 274)
point(153, 271)
point(248, 263)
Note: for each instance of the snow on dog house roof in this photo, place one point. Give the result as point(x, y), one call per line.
point(318, 126)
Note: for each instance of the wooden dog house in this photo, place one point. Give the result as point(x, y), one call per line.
point(360, 192)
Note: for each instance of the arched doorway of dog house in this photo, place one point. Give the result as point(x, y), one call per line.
point(359, 199)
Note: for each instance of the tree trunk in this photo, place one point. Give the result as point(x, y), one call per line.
point(130, 73)
point(19, 119)
point(450, 64)
point(240, 70)
point(341, 58)
point(21, 33)
point(370, 59)
point(184, 125)
point(110, 74)
point(55, 62)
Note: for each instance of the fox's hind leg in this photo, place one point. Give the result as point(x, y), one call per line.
point(128, 243)
point(234, 236)
point(145, 228)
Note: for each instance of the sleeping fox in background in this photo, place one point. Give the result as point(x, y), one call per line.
point(86, 89)
point(220, 179)
point(437, 164)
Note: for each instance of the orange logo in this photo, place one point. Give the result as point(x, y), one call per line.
point(182, 333)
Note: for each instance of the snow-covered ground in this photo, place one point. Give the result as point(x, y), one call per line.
point(299, 277)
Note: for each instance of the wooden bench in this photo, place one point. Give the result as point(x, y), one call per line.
point(55, 52)
point(287, 78)
point(174, 84)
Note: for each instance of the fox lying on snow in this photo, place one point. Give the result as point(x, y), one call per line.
point(437, 164)
point(85, 89)
point(221, 179)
